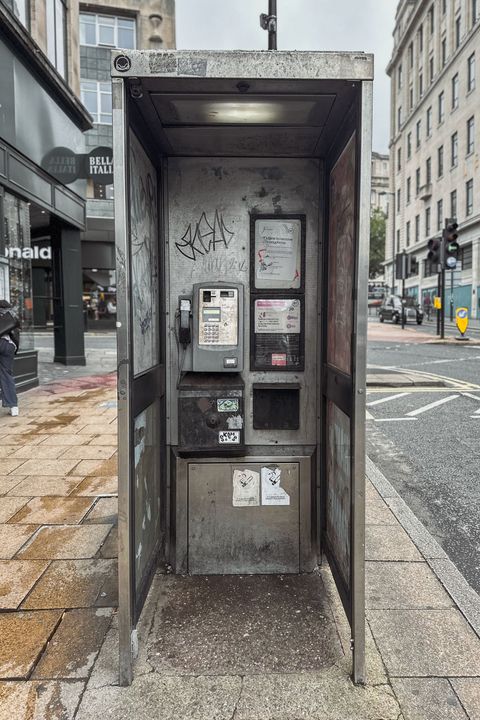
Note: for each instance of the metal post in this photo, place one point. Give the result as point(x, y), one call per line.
point(438, 295)
point(403, 298)
point(442, 310)
point(451, 295)
point(269, 22)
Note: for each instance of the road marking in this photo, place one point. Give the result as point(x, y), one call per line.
point(474, 397)
point(384, 400)
point(431, 405)
point(454, 381)
point(368, 416)
point(402, 419)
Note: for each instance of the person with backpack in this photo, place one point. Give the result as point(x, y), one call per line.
point(9, 344)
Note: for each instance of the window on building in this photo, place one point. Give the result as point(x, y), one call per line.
point(409, 189)
point(454, 150)
point(440, 155)
point(410, 97)
point(420, 38)
point(398, 241)
point(19, 8)
point(417, 228)
point(429, 121)
point(56, 25)
point(399, 197)
point(399, 117)
point(439, 214)
point(417, 181)
point(407, 233)
point(469, 197)
point(420, 85)
point(453, 204)
point(409, 146)
point(470, 135)
point(400, 80)
point(97, 98)
point(455, 91)
point(431, 70)
point(471, 72)
point(444, 7)
point(458, 31)
point(419, 132)
point(399, 159)
point(428, 171)
point(431, 19)
point(466, 257)
point(441, 107)
point(444, 51)
point(428, 220)
point(410, 55)
point(107, 30)
point(474, 11)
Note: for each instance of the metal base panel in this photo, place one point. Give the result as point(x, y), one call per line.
point(245, 515)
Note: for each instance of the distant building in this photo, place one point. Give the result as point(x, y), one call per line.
point(434, 146)
point(380, 181)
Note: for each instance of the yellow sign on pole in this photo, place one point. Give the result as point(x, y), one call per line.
point(462, 319)
point(437, 303)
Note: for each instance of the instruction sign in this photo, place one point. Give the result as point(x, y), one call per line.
point(272, 492)
point(277, 253)
point(277, 316)
point(461, 315)
point(277, 338)
point(246, 488)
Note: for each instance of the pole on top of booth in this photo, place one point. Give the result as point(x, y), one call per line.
point(269, 22)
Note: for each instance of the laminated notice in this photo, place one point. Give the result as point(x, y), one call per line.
point(272, 492)
point(246, 488)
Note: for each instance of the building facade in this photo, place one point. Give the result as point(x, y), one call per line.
point(42, 206)
point(380, 181)
point(434, 147)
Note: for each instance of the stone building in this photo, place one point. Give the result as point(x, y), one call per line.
point(380, 181)
point(434, 146)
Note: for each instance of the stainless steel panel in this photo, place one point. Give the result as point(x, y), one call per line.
point(227, 539)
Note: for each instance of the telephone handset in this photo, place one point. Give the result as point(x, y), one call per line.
point(185, 334)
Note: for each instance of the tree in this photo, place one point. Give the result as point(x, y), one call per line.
point(378, 229)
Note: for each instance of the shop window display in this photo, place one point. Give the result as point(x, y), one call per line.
point(99, 299)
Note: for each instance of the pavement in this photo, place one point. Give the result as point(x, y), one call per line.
point(242, 648)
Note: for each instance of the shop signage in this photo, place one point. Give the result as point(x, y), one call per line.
point(29, 253)
point(66, 166)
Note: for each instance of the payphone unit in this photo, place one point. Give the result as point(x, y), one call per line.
point(217, 328)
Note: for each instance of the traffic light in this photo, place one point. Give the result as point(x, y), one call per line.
point(434, 251)
point(451, 247)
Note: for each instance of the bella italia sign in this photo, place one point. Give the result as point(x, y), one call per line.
point(66, 166)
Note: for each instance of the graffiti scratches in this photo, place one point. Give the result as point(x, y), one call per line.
point(205, 238)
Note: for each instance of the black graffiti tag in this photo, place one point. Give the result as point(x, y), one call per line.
point(205, 238)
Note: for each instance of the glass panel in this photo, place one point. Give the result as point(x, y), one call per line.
point(18, 285)
point(144, 258)
point(106, 102)
point(60, 36)
point(339, 488)
point(89, 97)
point(147, 489)
point(341, 263)
point(126, 37)
point(106, 30)
point(50, 27)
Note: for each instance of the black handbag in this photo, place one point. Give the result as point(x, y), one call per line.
point(8, 322)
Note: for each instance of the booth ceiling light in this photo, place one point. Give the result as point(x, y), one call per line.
point(244, 111)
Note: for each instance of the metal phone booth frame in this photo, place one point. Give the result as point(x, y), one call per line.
point(205, 145)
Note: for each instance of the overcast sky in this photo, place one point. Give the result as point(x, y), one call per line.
point(302, 25)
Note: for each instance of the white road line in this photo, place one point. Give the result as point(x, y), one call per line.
point(368, 416)
point(402, 419)
point(474, 397)
point(475, 417)
point(431, 405)
point(477, 412)
point(391, 397)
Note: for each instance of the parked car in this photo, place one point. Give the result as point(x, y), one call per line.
point(391, 309)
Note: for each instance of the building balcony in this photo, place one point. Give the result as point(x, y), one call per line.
point(425, 192)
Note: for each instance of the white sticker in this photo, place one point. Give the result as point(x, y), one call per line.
point(235, 422)
point(272, 493)
point(229, 437)
point(277, 316)
point(246, 488)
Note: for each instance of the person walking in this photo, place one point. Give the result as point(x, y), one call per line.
point(9, 342)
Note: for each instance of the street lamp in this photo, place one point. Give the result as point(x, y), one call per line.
point(386, 192)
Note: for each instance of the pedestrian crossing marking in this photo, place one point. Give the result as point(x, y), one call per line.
point(430, 406)
point(387, 399)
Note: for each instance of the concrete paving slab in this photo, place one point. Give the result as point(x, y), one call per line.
point(9, 482)
point(105, 510)
point(36, 452)
point(165, 698)
point(243, 624)
point(75, 584)
point(39, 700)
point(103, 440)
point(17, 577)
point(42, 485)
point(98, 486)
point(427, 699)
point(13, 537)
point(403, 585)
point(468, 690)
point(53, 510)
point(89, 452)
point(109, 548)
point(65, 542)
point(9, 506)
point(425, 643)
point(378, 513)
point(58, 439)
point(317, 696)
point(385, 542)
point(74, 647)
point(96, 429)
point(9, 465)
point(94, 467)
point(46, 467)
point(6, 450)
point(22, 440)
point(24, 635)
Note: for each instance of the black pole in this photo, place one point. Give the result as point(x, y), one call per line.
point(442, 300)
point(272, 25)
point(403, 302)
point(451, 295)
point(438, 295)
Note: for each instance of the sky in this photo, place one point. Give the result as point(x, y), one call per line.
point(302, 25)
